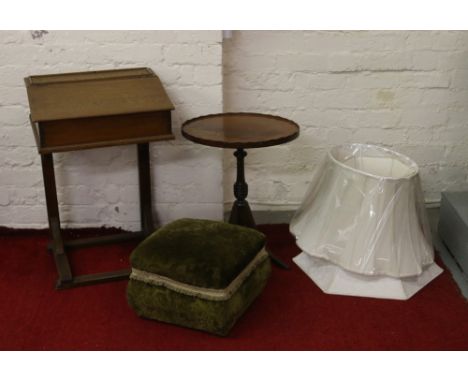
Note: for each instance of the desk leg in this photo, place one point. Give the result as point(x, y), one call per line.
point(241, 213)
point(144, 175)
point(61, 260)
point(58, 246)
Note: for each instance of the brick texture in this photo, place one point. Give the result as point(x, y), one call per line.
point(404, 90)
point(99, 187)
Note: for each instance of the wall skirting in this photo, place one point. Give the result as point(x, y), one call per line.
point(285, 216)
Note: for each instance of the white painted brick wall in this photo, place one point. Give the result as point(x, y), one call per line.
point(99, 187)
point(404, 90)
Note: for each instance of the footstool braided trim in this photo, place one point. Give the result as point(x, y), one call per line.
point(204, 293)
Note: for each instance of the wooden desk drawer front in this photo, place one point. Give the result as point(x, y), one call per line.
point(82, 133)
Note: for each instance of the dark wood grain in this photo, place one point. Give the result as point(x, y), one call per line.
point(240, 130)
point(84, 133)
point(240, 212)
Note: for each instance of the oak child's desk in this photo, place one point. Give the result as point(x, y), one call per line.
point(75, 111)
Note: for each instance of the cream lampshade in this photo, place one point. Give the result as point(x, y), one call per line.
point(363, 227)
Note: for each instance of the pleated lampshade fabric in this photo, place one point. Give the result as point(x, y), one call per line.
point(364, 211)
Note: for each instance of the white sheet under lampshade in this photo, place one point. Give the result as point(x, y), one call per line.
point(364, 216)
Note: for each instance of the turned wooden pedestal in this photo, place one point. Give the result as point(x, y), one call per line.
point(241, 131)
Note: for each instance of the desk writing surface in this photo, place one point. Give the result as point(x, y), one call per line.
point(74, 111)
point(95, 94)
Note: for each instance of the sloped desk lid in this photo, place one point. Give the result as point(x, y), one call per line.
point(95, 94)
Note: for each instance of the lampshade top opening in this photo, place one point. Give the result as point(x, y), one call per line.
point(374, 161)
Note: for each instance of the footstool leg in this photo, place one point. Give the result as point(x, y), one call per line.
point(241, 213)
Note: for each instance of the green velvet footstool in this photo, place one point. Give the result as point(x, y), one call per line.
point(200, 274)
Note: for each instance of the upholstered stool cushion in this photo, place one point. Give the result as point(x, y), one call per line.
point(198, 273)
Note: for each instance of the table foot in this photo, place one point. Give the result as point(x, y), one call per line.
point(279, 263)
point(241, 214)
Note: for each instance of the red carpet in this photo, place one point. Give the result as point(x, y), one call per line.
point(292, 313)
